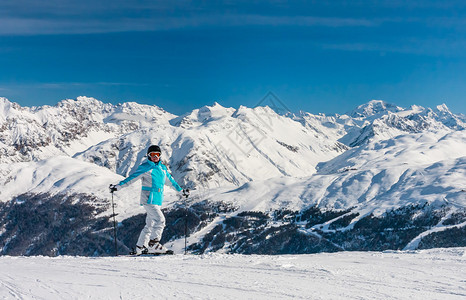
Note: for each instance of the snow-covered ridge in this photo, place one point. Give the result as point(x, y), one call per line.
point(416, 119)
point(374, 108)
point(220, 146)
point(202, 115)
point(70, 126)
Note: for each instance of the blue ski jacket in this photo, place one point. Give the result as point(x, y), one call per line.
point(153, 176)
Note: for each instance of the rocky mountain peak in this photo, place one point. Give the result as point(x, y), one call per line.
point(202, 115)
point(374, 108)
point(443, 107)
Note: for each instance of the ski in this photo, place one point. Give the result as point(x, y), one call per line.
point(133, 254)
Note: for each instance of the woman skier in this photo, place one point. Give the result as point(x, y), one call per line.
point(153, 174)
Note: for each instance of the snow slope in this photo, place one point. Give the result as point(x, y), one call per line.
point(428, 274)
point(65, 175)
point(378, 176)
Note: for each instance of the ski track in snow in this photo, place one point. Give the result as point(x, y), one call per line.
point(427, 274)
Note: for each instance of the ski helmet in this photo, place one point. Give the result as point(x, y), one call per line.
point(154, 148)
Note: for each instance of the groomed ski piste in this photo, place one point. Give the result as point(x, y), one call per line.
point(422, 274)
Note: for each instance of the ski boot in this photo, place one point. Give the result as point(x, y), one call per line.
point(140, 250)
point(156, 248)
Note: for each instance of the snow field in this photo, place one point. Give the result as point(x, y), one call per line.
point(427, 274)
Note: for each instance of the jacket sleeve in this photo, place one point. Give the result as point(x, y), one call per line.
point(173, 182)
point(135, 176)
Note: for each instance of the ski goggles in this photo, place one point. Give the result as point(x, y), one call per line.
point(153, 154)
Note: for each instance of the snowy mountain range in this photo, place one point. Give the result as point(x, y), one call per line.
point(378, 177)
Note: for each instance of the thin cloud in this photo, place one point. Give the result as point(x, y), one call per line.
point(67, 85)
point(298, 21)
point(31, 26)
point(31, 17)
point(416, 46)
point(122, 84)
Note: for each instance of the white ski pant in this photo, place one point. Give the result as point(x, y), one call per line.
point(155, 222)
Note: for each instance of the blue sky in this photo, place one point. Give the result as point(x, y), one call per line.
point(316, 56)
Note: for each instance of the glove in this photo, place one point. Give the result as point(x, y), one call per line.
point(186, 192)
point(114, 188)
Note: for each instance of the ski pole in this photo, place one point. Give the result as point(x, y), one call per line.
point(186, 232)
point(114, 227)
point(186, 194)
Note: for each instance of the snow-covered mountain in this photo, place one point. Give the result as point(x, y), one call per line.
point(28, 134)
point(305, 182)
point(213, 145)
point(384, 121)
point(373, 109)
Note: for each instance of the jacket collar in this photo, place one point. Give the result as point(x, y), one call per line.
point(153, 164)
